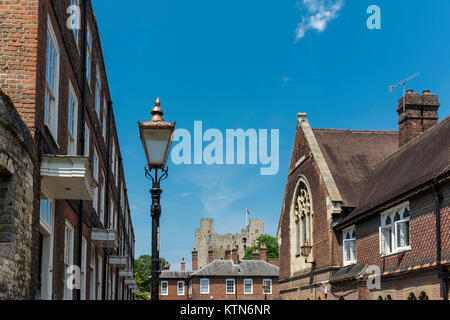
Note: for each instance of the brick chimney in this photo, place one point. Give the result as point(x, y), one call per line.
point(263, 252)
point(421, 113)
point(183, 265)
point(210, 255)
point(235, 255)
point(228, 253)
point(194, 260)
point(255, 255)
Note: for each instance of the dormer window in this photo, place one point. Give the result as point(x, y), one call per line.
point(395, 230)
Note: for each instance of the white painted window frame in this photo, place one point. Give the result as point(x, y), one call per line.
point(68, 257)
point(89, 43)
point(96, 178)
point(350, 230)
point(49, 230)
point(99, 277)
point(270, 285)
point(164, 288)
point(72, 136)
point(182, 288)
point(201, 286)
point(83, 267)
point(234, 286)
point(251, 286)
point(52, 122)
point(87, 139)
point(391, 230)
point(98, 89)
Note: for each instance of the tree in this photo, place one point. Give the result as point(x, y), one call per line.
point(143, 271)
point(271, 245)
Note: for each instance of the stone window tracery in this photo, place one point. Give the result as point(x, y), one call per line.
point(303, 215)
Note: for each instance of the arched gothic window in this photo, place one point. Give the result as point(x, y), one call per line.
point(303, 215)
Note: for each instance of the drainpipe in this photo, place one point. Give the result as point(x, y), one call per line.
point(438, 197)
point(83, 116)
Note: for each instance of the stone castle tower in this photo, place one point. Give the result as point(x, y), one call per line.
point(207, 239)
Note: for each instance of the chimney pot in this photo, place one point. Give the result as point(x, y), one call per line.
point(183, 265)
point(410, 91)
point(417, 113)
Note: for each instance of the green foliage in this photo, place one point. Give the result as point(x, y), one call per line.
point(271, 244)
point(143, 271)
point(142, 296)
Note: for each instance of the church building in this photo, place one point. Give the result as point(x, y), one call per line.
point(376, 203)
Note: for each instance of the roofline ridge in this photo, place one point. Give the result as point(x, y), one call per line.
point(357, 130)
point(412, 141)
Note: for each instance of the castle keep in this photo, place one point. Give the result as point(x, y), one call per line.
point(206, 239)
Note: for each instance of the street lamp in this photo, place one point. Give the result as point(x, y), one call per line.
point(156, 136)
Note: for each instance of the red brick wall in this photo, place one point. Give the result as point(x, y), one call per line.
point(423, 235)
point(217, 289)
point(23, 29)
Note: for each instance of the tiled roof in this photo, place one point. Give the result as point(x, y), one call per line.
point(245, 268)
point(167, 274)
point(352, 154)
point(348, 272)
point(416, 163)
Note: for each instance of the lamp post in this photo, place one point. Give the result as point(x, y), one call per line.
point(156, 136)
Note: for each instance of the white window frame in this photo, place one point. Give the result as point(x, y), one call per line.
point(105, 113)
point(47, 252)
point(98, 88)
point(87, 139)
point(51, 112)
point(92, 284)
point(234, 286)
point(391, 230)
point(349, 230)
point(164, 288)
point(182, 289)
point(68, 257)
point(251, 286)
point(76, 33)
point(95, 175)
point(88, 56)
point(270, 285)
point(72, 136)
point(201, 286)
point(102, 200)
point(83, 267)
point(99, 277)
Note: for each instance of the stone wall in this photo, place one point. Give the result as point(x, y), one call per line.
point(207, 239)
point(17, 157)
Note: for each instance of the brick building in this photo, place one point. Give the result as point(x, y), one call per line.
point(53, 70)
point(225, 279)
point(363, 200)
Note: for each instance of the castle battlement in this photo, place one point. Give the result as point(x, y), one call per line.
point(207, 239)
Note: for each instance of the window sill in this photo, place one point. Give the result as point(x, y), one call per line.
point(403, 250)
point(349, 263)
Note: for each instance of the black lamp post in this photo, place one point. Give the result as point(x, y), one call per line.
point(156, 136)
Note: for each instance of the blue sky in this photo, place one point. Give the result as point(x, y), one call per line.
point(237, 64)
